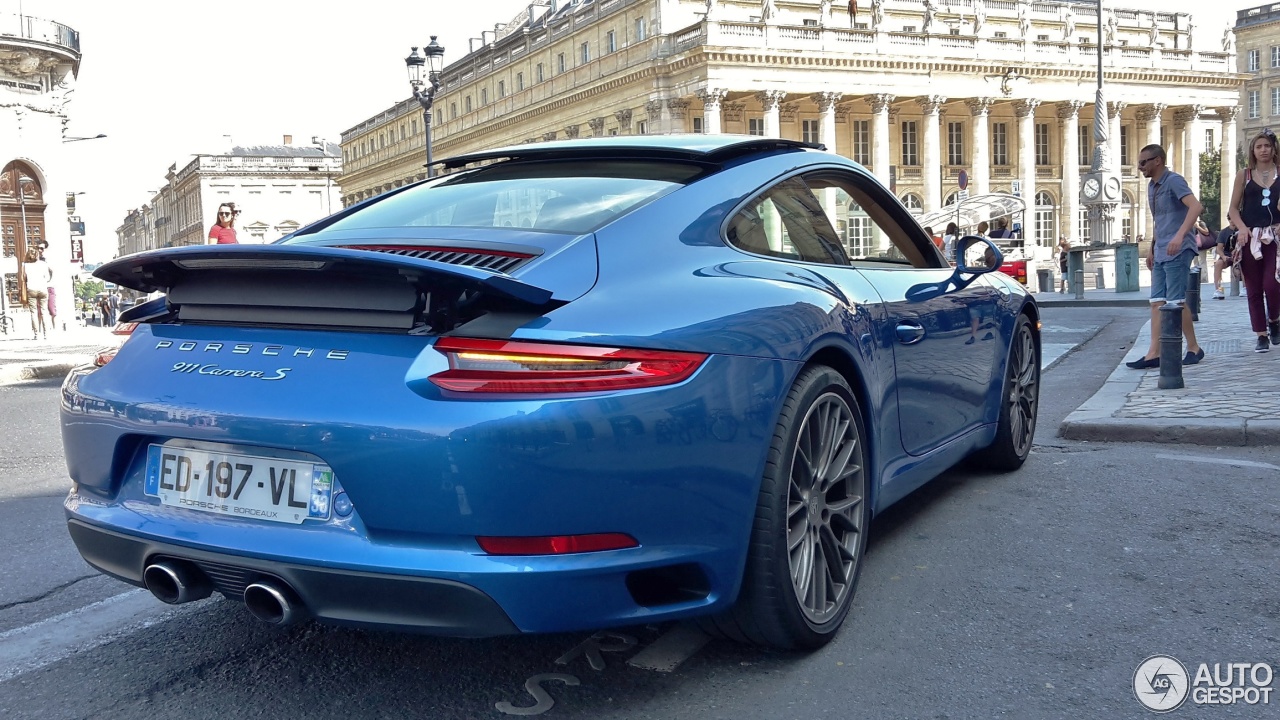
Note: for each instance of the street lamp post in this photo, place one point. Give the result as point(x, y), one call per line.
point(1100, 187)
point(323, 145)
point(425, 91)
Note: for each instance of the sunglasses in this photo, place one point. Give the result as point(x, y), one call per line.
point(1144, 161)
point(224, 214)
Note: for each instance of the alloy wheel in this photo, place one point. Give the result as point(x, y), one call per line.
point(1023, 388)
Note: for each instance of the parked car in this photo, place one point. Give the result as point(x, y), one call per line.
point(572, 385)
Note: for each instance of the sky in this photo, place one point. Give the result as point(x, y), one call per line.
point(167, 79)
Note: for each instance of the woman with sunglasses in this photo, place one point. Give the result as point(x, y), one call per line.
point(223, 231)
point(1257, 223)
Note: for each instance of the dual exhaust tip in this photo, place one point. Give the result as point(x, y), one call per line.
point(176, 582)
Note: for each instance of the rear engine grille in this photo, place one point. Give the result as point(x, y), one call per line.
point(495, 260)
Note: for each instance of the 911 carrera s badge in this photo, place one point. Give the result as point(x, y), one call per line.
point(218, 371)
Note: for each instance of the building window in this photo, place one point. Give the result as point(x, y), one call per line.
point(413, 126)
point(466, 104)
point(1126, 220)
point(1275, 56)
point(642, 127)
point(641, 29)
point(439, 117)
point(538, 74)
point(862, 142)
point(955, 143)
point(912, 202)
point(1209, 144)
point(520, 81)
point(584, 53)
point(502, 89)
point(1085, 135)
point(484, 96)
point(1124, 144)
point(560, 63)
point(755, 126)
point(999, 143)
point(697, 125)
point(1046, 219)
point(1255, 57)
point(1253, 104)
point(1275, 101)
point(910, 156)
point(1083, 216)
point(809, 131)
point(1042, 143)
point(611, 42)
point(453, 111)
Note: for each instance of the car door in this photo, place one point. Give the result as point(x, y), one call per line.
point(944, 344)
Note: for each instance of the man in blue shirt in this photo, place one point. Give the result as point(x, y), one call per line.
point(1175, 209)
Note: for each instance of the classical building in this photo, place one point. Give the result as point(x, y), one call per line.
point(1258, 44)
point(39, 60)
point(1000, 92)
point(276, 188)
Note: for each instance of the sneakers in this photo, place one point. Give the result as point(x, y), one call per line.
point(1263, 344)
point(1218, 295)
point(1273, 329)
point(1192, 358)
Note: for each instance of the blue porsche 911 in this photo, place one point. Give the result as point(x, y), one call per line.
point(565, 386)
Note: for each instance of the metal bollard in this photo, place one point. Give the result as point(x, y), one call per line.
point(1078, 284)
point(1235, 282)
point(1099, 280)
point(1170, 347)
point(1193, 293)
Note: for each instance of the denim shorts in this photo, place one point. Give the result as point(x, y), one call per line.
point(1169, 279)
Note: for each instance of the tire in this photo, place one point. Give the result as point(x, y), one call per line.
point(790, 598)
point(1019, 402)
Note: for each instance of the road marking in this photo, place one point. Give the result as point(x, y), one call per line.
point(1050, 352)
point(1219, 461)
point(42, 643)
point(667, 652)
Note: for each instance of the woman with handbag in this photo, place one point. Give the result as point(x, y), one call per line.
point(1257, 223)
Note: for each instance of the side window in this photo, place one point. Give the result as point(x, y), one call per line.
point(787, 221)
point(871, 230)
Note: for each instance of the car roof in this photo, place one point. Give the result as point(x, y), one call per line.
point(696, 147)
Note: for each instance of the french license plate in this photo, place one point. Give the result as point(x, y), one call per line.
point(247, 486)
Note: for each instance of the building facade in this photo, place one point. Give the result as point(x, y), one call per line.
point(276, 188)
point(39, 60)
point(1257, 33)
point(1001, 90)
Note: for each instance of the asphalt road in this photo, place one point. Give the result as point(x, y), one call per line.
point(1029, 595)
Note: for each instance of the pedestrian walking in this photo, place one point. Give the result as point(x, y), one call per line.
point(1174, 208)
point(1257, 222)
point(1064, 253)
point(223, 231)
point(39, 278)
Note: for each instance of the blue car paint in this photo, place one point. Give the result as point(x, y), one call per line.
point(677, 467)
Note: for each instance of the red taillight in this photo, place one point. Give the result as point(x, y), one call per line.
point(106, 355)
point(511, 366)
point(556, 544)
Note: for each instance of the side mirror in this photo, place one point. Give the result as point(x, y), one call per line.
point(977, 255)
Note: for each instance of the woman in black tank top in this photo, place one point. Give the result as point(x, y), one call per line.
point(1256, 219)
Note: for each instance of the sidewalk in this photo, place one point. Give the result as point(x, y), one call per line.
point(22, 358)
point(1232, 397)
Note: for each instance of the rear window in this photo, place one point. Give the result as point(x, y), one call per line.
point(563, 197)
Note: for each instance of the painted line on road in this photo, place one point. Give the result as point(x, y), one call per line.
point(1218, 461)
point(667, 652)
point(1050, 353)
point(42, 643)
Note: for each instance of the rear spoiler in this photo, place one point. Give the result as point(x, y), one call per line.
point(168, 268)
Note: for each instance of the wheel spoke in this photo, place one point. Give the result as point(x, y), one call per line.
point(843, 504)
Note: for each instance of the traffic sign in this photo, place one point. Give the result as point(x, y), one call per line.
point(964, 180)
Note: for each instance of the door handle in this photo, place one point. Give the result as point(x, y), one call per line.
point(910, 333)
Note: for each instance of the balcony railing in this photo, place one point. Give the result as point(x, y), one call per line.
point(45, 31)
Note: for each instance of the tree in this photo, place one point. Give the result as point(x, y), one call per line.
point(88, 289)
point(1211, 188)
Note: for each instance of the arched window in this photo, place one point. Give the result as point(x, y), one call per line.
point(1046, 219)
point(913, 203)
point(952, 199)
point(1128, 211)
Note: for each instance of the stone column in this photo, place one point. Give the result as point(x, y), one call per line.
point(1114, 110)
point(711, 99)
point(880, 136)
point(769, 102)
point(1150, 114)
point(653, 114)
point(931, 162)
point(1228, 115)
point(1026, 112)
point(826, 102)
point(597, 126)
point(677, 111)
point(980, 160)
point(1192, 141)
point(1069, 122)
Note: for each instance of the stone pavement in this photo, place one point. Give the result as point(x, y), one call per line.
point(24, 358)
point(1232, 397)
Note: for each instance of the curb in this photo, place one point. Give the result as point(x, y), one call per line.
point(38, 371)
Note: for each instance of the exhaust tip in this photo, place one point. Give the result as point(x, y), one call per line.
point(176, 582)
point(272, 603)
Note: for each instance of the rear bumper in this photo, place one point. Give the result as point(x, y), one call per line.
point(344, 597)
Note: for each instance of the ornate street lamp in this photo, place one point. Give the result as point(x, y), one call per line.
point(1100, 187)
point(425, 91)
